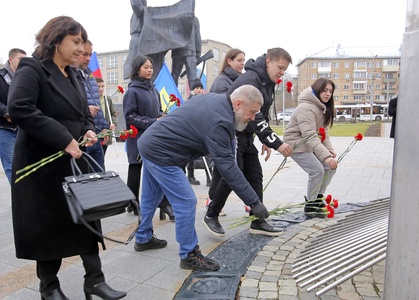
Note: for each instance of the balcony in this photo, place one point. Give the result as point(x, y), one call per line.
point(359, 92)
point(389, 80)
point(390, 69)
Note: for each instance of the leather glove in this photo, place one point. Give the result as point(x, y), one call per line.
point(259, 210)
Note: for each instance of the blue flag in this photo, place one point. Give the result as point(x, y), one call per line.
point(166, 86)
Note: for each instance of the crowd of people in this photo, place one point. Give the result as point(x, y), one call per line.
point(51, 101)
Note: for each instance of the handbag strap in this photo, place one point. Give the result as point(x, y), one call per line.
point(131, 236)
point(88, 159)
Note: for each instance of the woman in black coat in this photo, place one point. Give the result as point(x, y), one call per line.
point(48, 103)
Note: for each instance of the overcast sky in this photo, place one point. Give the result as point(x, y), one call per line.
point(302, 27)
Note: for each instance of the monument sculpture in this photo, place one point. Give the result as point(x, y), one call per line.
point(156, 30)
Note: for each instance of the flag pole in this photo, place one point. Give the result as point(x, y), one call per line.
point(105, 98)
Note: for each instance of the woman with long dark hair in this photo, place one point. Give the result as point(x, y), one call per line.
point(315, 110)
point(142, 107)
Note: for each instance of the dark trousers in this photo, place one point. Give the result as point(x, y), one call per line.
point(134, 181)
point(47, 271)
point(248, 162)
point(216, 178)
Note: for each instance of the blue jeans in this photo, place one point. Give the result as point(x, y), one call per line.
point(96, 152)
point(7, 145)
point(171, 181)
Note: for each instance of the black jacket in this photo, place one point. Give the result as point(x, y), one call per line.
point(392, 111)
point(223, 81)
point(257, 76)
point(202, 125)
point(4, 91)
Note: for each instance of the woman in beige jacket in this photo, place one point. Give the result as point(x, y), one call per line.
point(315, 110)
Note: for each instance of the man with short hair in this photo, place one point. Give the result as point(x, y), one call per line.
point(203, 125)
point(8, 130)
point(262, 73)
point(92, 93)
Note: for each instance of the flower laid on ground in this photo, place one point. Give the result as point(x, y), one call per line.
point(173, 100)
point(124, 134)
point(279, 89)
point(328, 210)
point(357, 138)
point(118, 90)
point(321, 134)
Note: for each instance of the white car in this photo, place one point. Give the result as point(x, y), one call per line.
point(284, 117)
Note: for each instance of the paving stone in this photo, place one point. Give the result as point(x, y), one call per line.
point(247, 291)
point(268, 286)
point(348, 296)
point(288, 290)
point(267, 295)
point(367, 291)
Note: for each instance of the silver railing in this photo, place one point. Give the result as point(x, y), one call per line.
point(345, 249)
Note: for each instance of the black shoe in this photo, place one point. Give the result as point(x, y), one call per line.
point(213, 226)
point(103, 291)
point(262, 227)
point(196, 261)
point(167, 210)
point(153, 243)
point(56, 294)
point(193, 181)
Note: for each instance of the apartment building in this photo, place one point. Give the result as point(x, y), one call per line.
point(362, 75)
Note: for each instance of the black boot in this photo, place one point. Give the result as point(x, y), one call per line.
point(103, 291)
point(167, 210)
point(56, 294)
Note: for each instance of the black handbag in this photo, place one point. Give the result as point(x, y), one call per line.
point(95, 196)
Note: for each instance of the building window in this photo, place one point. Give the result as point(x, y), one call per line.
point(345, 98)
point(389, 76)
point(100, 61)
point(336, 87)
point(313, 65)
point(346, 87)
point(215, 71)
point(335, 75)
point(112, 77)
point(360, 63)
point(347, 76)
point(216, 54)
point(112, 61)
point(346, 65)
point(314, 76)
point(336, 65)
point(360, 74)
point(357, 98)
point(324, 64)
point(358, 86)
point(378, 87)
point(391, 62)
point(336, 98)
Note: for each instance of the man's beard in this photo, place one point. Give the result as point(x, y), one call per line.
point(240, 125)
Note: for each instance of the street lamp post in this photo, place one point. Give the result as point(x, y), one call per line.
point(372, 84)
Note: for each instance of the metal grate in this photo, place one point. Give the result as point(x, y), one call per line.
point(345, 249)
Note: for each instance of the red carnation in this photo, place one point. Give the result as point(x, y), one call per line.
point(289, 86)
point(133, 131)
point(124, 135)
point(322, 134)
point(335, 203)
point(120, 89)
point(328, 199)
point(358, 137)
point(331, 211)
point(279, 81)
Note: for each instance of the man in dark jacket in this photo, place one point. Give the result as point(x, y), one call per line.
point(203, 125)
point(392, 111)
point(262, 73)
point(93, 99)
point(8, 130)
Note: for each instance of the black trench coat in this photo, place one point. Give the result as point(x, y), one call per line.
point(50, 110)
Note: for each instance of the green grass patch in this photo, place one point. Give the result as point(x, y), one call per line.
point(338, 129)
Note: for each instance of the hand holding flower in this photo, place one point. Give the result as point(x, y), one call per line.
point(89, 138)
point(73, 149)
point(285, 149)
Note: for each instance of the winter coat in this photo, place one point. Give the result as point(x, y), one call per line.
point(141, 107)
point(306, 120)
point(392, 111)
point(50, 111)
point(202, 125)
point(92, 92)
point(223, 81)
point(109, 111)
point(5, 80)
point(257, 76)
